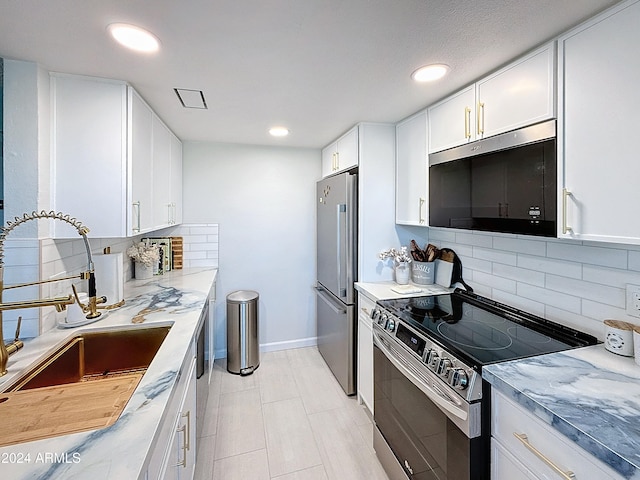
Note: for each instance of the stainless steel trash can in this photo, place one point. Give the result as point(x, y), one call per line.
point(243, 352)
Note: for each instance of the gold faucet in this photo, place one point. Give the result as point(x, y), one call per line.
point(60, 302)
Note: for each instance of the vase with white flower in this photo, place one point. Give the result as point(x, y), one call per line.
point(401, 260)
point(144, 257)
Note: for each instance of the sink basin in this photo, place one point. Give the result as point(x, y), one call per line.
point(95, 355)
point(83, 385)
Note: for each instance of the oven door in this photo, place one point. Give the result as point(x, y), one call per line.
point(426, 443)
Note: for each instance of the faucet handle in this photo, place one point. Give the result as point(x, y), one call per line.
point(18, 329)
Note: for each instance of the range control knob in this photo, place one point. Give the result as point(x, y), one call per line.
point(432, 360)
point(375, 314)
point(444, 366)
point(459, 379)
point(391, 325)
point(382, 320)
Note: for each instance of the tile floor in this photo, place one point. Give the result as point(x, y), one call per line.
point(290, 420)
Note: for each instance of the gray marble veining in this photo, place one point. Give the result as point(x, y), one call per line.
point(121, 450)
point(590, 395)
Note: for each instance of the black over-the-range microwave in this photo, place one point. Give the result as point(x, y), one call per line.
point(506, 183)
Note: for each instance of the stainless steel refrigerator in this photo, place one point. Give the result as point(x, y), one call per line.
point(336, 318)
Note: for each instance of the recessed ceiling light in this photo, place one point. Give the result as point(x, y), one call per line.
point(279, 131)
point(429, 73)
point(135, 38)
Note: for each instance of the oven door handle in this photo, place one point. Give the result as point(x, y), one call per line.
point(444, 402)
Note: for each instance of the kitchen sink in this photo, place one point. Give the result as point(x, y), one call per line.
point(95, 355)
point(83, 385)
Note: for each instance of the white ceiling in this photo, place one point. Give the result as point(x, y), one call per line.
point(315, 66)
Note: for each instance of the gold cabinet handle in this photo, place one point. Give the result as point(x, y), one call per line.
point(137, 204)
point(420, 217)
point(565, 228)
point(365, 311)
point(568, 475)
point(183, 463)
point(467, 122)
point(480, 118)
point(188, 432)
point(337, 160)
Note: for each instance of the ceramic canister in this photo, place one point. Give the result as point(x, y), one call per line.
point(618, 337)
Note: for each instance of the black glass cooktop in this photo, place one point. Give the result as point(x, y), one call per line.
point(483, 331)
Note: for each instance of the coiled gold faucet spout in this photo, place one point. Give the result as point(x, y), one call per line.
point(61, 302)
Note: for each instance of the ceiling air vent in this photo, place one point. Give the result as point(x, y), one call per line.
point(191, 98)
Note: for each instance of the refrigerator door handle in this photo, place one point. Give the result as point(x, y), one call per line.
point(330, 302)
point(341, 212)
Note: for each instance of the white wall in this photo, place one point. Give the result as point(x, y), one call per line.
point(263, 199)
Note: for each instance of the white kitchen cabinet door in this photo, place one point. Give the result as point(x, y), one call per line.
point(175, 181)
point(89, 158)
point(342, 154)
point(412, 171)
point(329, 159)
point(597, 128)
point(162, 208)
point(504, 466)
point(141, 164)
point(365, 351)
point(452, 120)
point(347, 150)
point(518, 95)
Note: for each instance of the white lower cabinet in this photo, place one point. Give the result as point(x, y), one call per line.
point(174, 455)
point(365, 351)
point(524, 447)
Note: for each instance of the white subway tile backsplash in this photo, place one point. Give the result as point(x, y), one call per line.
point(634, 261)
point(519, 245)
point(475, 264)
point(614, 277)
point(602, 312)
point(495, 281)
point(475, 240)
point(528, 305)
point(444, 236)
point(608, 257)
point(529, 276)
point(549, 297)
point(548, 265)
point(593, 291)
point(496, 256)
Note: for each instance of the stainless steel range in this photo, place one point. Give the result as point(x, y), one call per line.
point(431, 407)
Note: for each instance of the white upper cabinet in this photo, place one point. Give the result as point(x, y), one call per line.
point(597, 128)
point(141, 120)
point(175, 181)
point(112, 160)
point(163, 209)
point(451, 121)
point(518, 95)
point(89, 155)
point(342, 154)
point(412, 170)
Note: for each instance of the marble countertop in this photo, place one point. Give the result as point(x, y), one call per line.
point(588, 394)
point(121, 450)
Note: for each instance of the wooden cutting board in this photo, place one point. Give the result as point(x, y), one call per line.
point(59, 410)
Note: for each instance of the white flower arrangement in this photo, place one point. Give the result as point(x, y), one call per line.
point(144, 253)
point(399, 256)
